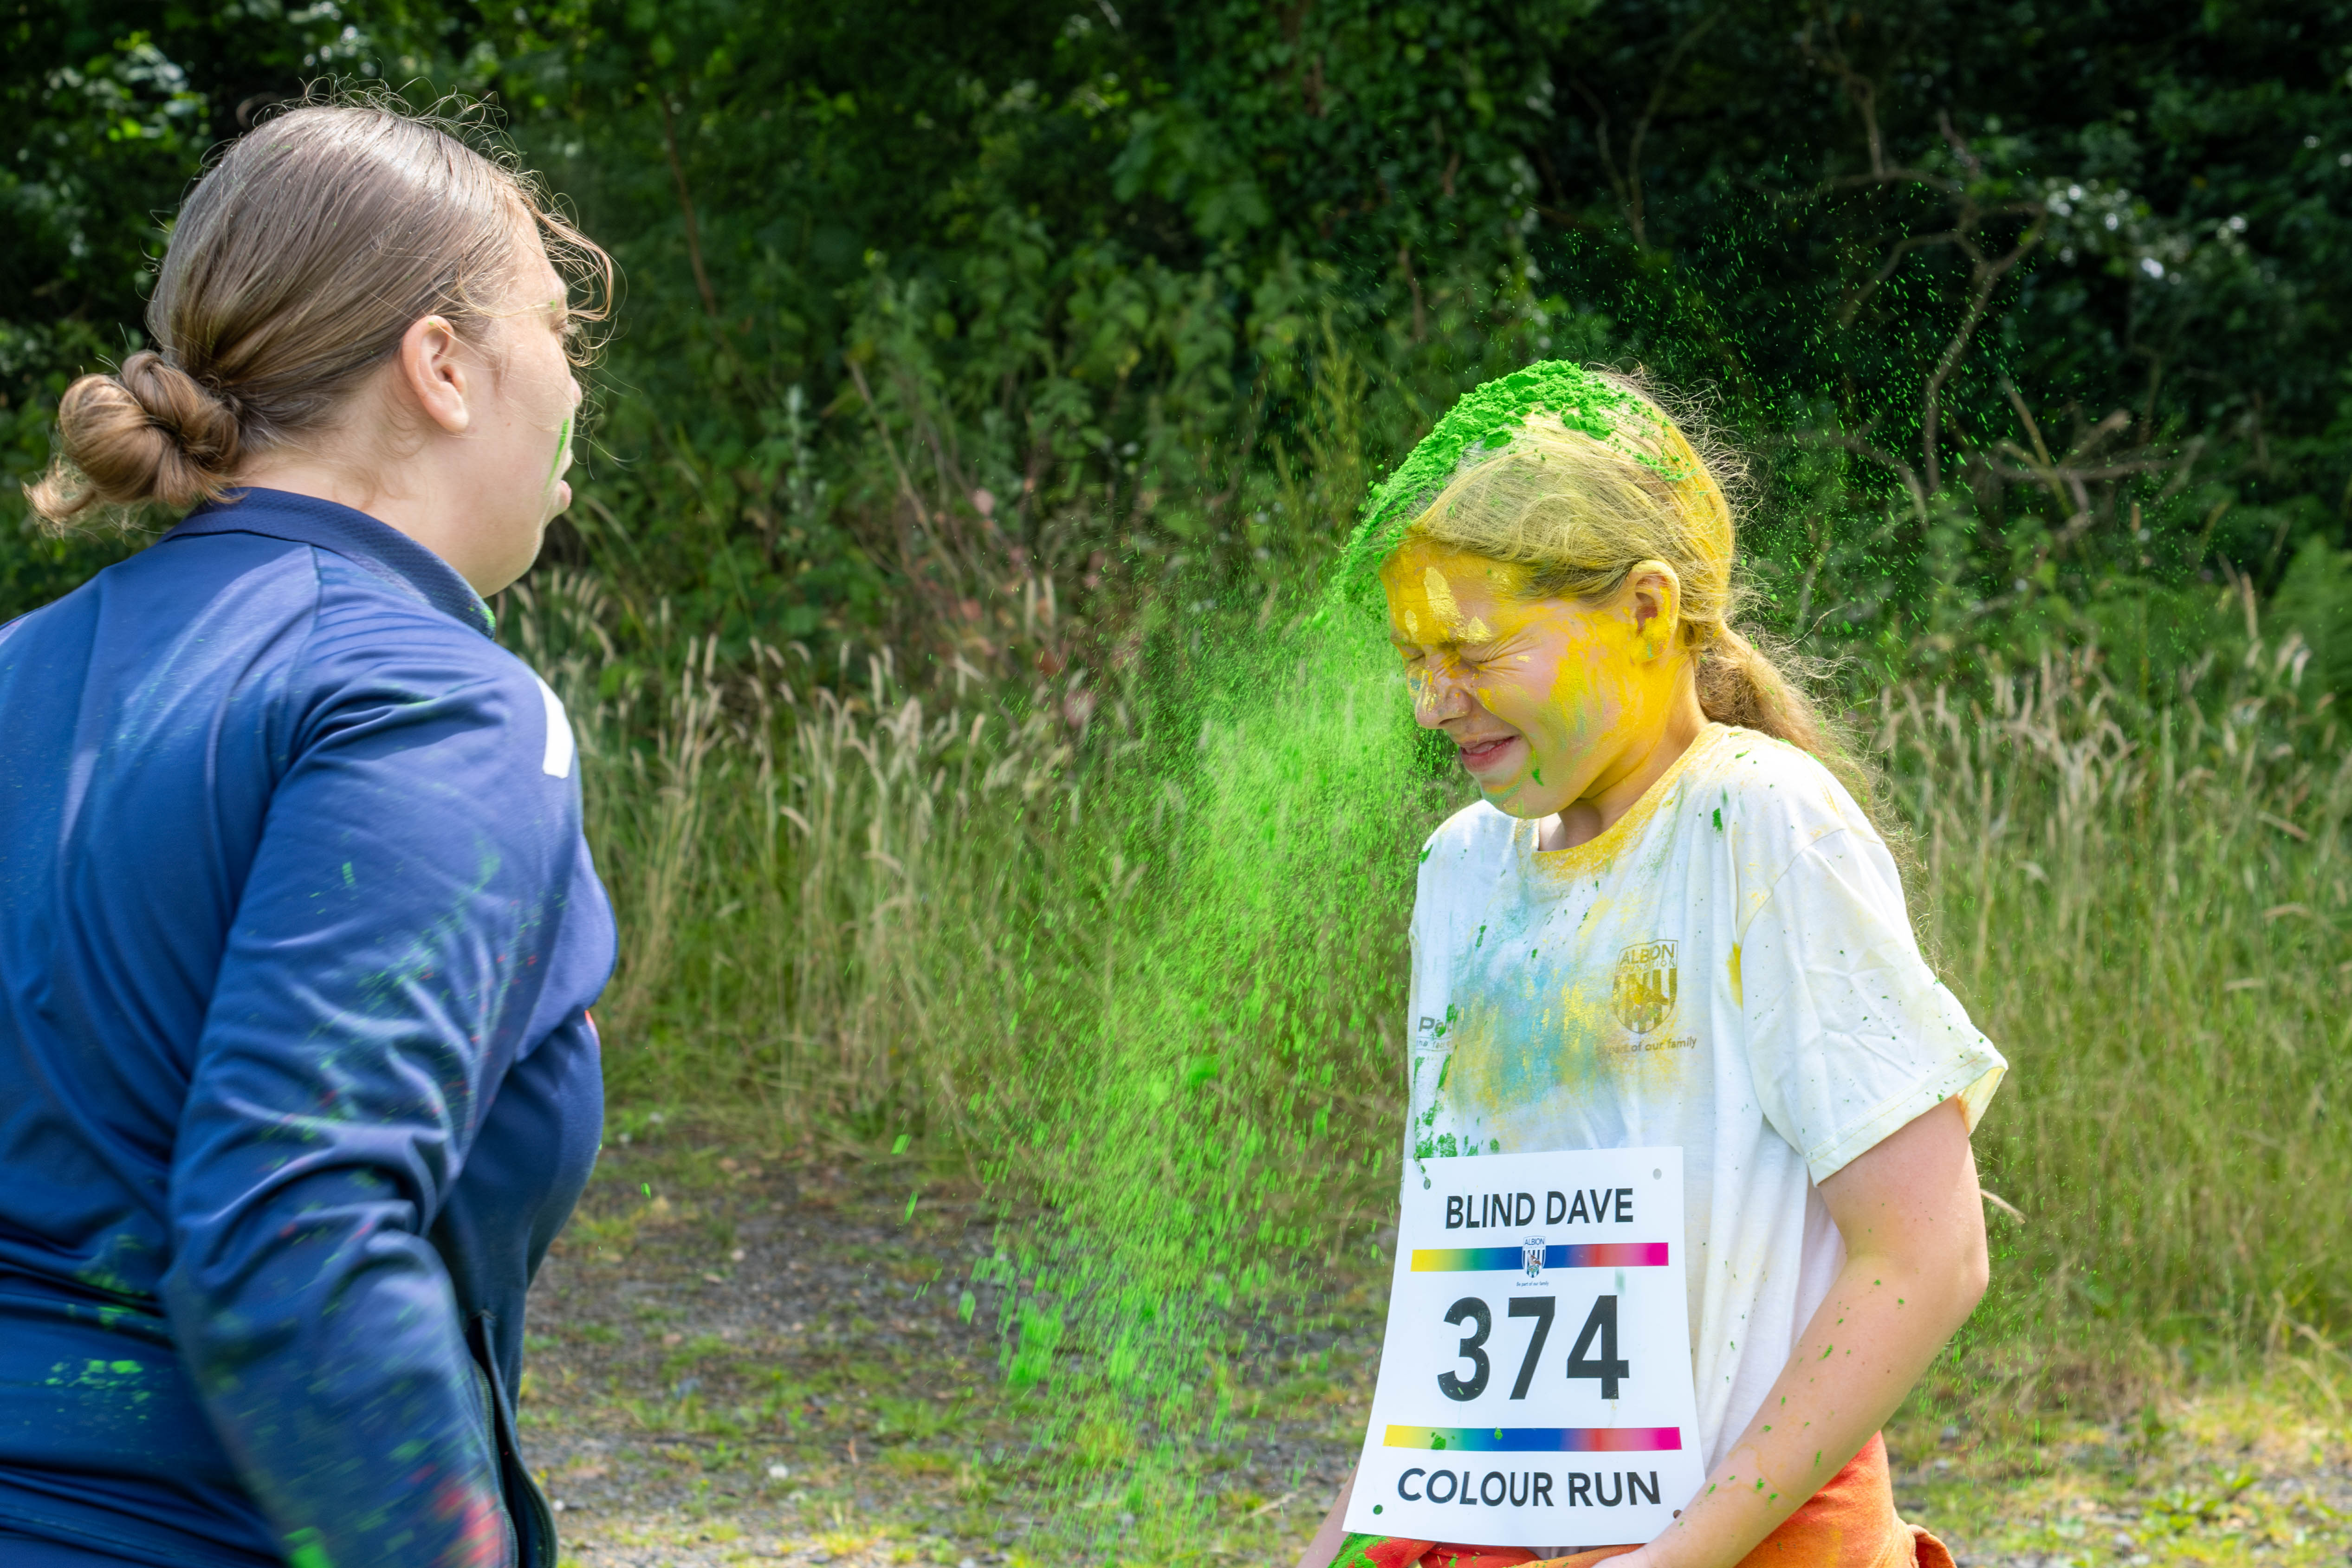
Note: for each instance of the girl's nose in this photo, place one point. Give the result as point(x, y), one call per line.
point(1440, 691)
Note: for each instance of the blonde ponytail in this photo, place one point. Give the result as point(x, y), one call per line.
point(1741, 683)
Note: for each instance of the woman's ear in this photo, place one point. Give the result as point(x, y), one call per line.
point(434, 372)
point(1655, 595)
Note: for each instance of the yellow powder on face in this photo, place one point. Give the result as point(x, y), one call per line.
point(1606, 676)
point(1442, 602)
point(1588, 682)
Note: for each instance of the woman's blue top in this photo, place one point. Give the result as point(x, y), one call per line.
point(297, 932)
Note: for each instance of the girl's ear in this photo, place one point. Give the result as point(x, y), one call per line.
point(1656, 603)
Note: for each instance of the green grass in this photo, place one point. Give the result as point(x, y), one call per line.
point(2226, 1481)
point(2147, 911)
point(2251, 1470)
point(1143, 958)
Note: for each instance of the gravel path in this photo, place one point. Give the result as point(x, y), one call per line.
point(733, 1358)
point(737, 1359)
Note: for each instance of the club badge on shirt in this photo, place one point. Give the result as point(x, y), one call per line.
point(1644, 994)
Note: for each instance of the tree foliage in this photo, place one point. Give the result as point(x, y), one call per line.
point(2032, 315)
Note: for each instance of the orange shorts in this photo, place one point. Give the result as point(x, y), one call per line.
point(1849, 1523)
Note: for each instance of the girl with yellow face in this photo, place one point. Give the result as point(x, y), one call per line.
point(1558, 710)
point(1667, 923)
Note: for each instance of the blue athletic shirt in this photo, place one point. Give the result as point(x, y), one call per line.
point(298, 934)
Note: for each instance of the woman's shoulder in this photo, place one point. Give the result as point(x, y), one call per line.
point(367, 596)
point(373, 618)
point(335, 639)
point(376, 646)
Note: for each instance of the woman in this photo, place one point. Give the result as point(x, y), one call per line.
point(298, 930)
point(1668, 922)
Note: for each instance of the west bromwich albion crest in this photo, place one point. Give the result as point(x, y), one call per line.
point(1645, 988)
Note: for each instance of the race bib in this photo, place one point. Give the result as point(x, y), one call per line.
point(1535, 1384)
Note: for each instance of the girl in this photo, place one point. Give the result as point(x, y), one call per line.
point(1668, 921)
point(296, 928)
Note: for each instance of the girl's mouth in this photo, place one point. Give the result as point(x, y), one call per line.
point(1485, 753)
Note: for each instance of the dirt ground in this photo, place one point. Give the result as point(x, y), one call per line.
point(738, 1359)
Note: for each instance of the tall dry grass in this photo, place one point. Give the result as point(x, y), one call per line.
point(2145, 905)
point(837, 901)
point(849, 911)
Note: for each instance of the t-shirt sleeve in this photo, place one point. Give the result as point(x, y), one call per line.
point(1850, 1035)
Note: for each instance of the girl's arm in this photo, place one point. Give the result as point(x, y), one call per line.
point(1325, 1544)
point(1914, 1226)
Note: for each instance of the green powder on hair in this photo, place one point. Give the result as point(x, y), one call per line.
point(1482, 424)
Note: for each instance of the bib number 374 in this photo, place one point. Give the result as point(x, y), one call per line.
point(1535, 1385)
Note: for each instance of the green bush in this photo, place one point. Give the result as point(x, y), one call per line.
point(932, 306)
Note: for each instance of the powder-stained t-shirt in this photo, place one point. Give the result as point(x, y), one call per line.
point(1729, 969)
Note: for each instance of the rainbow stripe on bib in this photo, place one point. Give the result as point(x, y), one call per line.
point(1537, 1440)
point(1576, 1255)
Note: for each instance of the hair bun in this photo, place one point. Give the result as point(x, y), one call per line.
point(150, 432)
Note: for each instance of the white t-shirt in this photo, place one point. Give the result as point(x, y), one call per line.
point(1728, 968)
